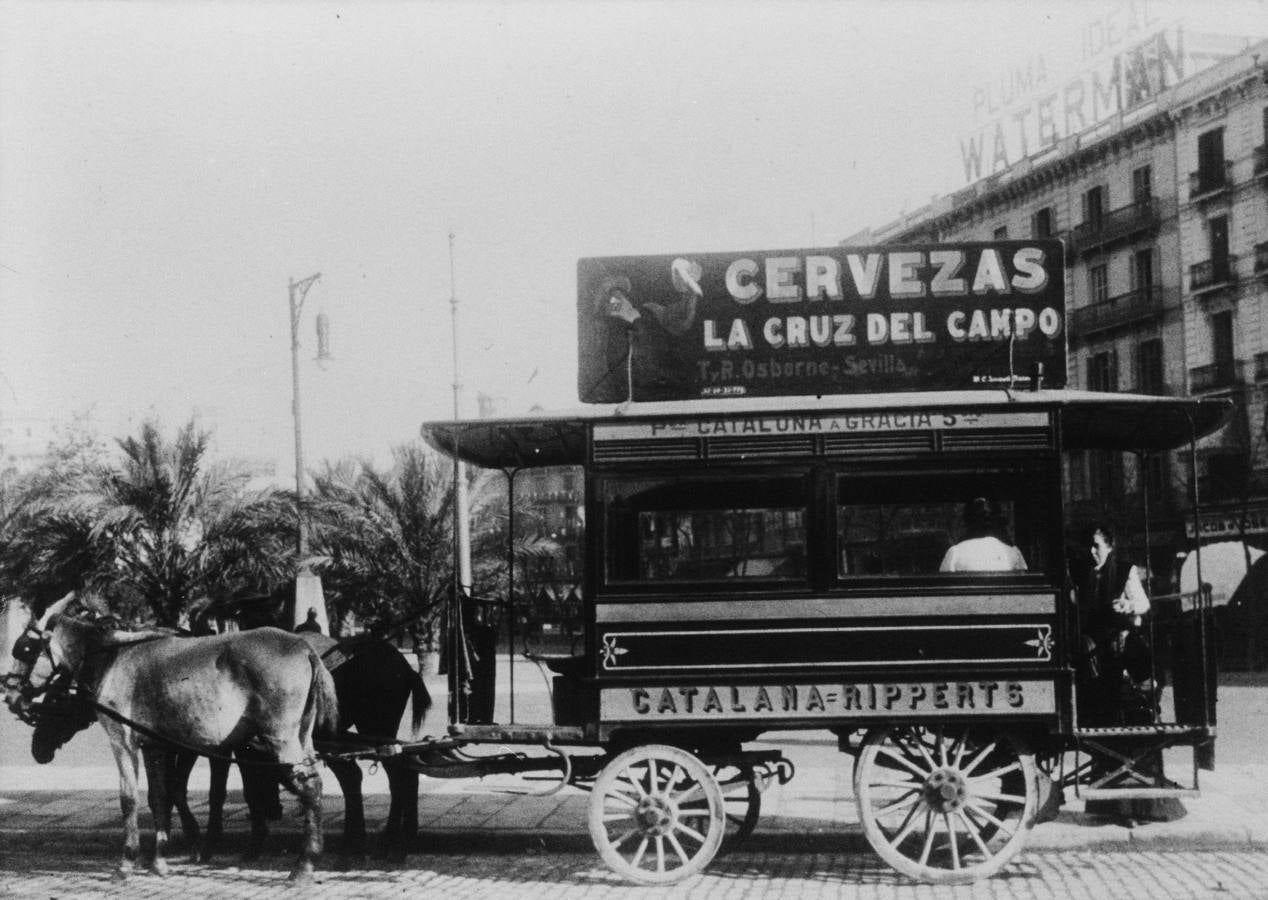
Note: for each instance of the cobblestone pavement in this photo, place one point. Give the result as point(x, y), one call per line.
point(561, 870)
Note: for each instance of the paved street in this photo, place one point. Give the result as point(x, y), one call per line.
point(60, 837)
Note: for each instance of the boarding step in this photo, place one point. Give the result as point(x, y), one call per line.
point(1137, 793)
point(519, 734)
point(1144, 731)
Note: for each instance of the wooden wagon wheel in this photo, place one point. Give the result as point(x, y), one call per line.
point(742, 802)
point(656, 814)
point(948, 805)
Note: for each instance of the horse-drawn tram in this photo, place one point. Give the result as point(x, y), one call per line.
point(777, 568)
point(819, 497)
point(768, 549)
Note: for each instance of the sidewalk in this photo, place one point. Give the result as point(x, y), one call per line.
point(1232, 812)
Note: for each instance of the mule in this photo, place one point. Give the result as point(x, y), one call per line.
point(373, 684)
point(258, 694)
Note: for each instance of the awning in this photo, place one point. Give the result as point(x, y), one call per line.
point(1090, 419)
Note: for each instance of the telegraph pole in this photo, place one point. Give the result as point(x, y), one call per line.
point(308, 592)
point(298, 291)
point(462, 522)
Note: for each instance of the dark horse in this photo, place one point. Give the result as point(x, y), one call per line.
point(258, 694)
point(374, 684)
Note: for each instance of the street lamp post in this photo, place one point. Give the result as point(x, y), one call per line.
point(308, 592)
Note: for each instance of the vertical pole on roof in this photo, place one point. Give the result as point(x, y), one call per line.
point(1203, 600)
point(463, 523)
point(1149, 568)
point(460, 678)
point(510, 587)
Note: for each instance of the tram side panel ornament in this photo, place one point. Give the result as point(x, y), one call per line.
point(836, 320)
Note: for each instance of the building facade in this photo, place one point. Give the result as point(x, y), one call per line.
point(1164, 214)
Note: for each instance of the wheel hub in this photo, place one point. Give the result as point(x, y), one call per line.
point(655, 815)
point(945, 790)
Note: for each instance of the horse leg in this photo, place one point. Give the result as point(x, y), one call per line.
point(125, 757)
point(303, 780)
point(157, 776)
point(180, 764)
point(259, 789)
point(348, 774)
point(402, 818)
point(215, 807)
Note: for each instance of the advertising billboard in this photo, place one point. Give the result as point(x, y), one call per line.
point(835, 320)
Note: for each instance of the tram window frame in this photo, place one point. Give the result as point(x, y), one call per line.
point(1019, 489)
point(767, 494)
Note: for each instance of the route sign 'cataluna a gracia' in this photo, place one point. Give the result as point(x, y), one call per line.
point(836, 320)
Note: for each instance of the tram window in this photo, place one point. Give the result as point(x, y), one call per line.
point(900, 524)
point(662, 530)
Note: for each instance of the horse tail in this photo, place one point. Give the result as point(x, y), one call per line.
point(420, 700)
point(321, 713)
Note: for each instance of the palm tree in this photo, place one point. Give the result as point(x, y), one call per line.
point(383, 540)
point(158, 530)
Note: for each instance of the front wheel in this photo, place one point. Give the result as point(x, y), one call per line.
point(656, 814)
point(946, 805)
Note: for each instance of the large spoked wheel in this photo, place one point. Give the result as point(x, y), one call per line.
point(656, 814)
point(948, 806)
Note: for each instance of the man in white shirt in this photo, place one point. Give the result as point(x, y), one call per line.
point(982, 550)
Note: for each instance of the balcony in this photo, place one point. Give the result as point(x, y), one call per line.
point(1215, 377)
point(1261, 259)
point(1213, 274)
point(1261, 366)
point(1121, 224)
point(1125, 309)
point(1261, 161)
point(1210, 182)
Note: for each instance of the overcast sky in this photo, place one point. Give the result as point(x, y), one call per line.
point(166, 168)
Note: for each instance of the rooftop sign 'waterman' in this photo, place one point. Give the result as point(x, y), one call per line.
point(836, 320)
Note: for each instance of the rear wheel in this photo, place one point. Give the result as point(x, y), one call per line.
point(946, 805)
point(742, 801)
point(656, 814)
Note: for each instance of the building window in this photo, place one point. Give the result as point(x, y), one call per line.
point(1001, 233)
point(1041, 223)
point(1142, 184)
point(1217, 234)
point(1102, 372)
point(1222, 338)
point(1097, 284)
point(1094, 207)
point(1143, 272)
point(1149, 378)
point(1211, 160)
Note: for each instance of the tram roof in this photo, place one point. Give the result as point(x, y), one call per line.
point(1090, 419)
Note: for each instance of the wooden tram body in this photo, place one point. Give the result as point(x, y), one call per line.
point(773, 564)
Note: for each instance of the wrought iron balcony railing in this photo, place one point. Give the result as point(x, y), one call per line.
point(1117, 225)
point(1261, 366)
point(1261, 258)
point(1218, 272)
point(1121, 310)
point(1216, 376)
point(1261, 160)
point(1211, 180)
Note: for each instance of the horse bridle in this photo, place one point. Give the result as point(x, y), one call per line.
point(27, 650)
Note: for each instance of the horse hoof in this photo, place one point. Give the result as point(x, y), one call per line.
point(159, 867)
point(120, 875)
point(301, 877)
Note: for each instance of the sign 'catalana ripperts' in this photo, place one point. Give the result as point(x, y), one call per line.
point(837, 320)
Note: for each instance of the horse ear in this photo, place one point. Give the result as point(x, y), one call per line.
point(55, 609)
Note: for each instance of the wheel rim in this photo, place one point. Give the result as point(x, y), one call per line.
point(656, 815)
point(946, 806)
